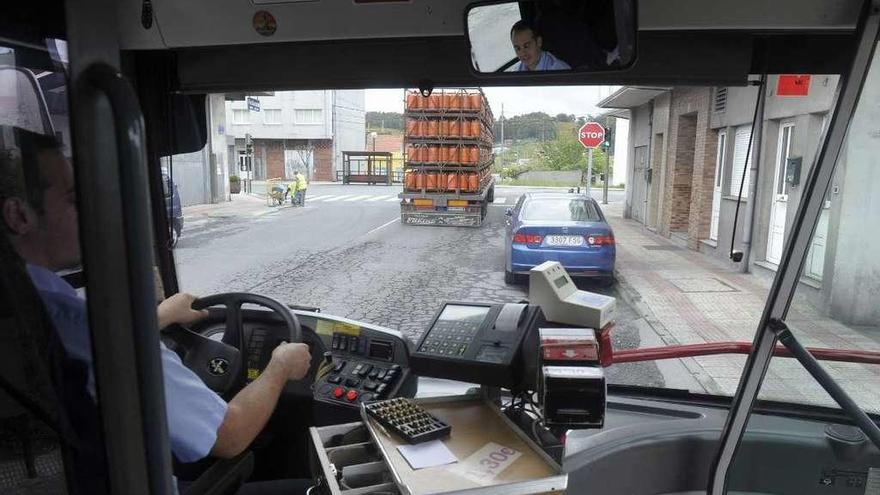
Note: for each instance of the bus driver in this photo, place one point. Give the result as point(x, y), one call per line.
point(39, 218)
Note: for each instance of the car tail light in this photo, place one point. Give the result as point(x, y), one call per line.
point(530, 239)
point(600, 240)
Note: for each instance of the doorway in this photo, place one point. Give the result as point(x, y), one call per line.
point(640, 184)
point(779, 202)
point(716, 190)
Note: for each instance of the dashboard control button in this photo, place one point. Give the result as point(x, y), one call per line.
point(365, 369)
point(334, 379)
point(353, 344)
point(381, 374)
point(390, 376)
point(352, 382)
point(339, 366)
point(381, 390)
point(338, 392)
point(370, 385)
point(395, 367)
point(357, 369)
point(373, 374)
point(365, 398)
point(351, 395)
point(335, 343)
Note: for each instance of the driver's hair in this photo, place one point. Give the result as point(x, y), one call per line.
point(20, 171)
point(525, 25)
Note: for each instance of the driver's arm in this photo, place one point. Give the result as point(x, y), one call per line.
point(250, 409)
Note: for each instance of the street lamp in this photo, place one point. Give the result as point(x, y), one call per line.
point(373, 136)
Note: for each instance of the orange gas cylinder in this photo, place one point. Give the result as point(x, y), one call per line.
point(433, 154)
point(421, 128)
point(420, 180)
point(475, 101)
point(451, 182)
point(444, 154)
point(431, 181)
point(473, 182)
point(410, 153)
point(412, 126)
point(410, 180)
point(475, 128)
point(466, 129)
point(433, 129)
point(435, 102)
point(421, 154)
point(447, 100)
point(413, 100)
point(455, 102)
point(455, 128)
point(444, 128)
point(453, 155)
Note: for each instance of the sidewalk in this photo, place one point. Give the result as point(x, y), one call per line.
point(242, 205)
point(690, 298)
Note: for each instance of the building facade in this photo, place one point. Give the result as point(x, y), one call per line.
point(691, 151)
point(296, 131)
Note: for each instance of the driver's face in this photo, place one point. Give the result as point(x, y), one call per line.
point(57, 228)
point(527, 47)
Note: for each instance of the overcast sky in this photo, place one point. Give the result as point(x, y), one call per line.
point(577, 100)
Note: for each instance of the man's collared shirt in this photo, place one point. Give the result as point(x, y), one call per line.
point(547, 62)
point(194, 411)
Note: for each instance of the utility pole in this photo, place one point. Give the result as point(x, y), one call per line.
point(502, 134)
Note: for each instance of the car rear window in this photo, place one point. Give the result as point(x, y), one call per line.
point(561, 209)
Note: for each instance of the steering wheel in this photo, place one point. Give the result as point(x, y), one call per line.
point(221, 364)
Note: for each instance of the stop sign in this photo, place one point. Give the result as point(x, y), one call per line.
point(591, 135)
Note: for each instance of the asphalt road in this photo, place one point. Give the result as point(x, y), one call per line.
point(347, 253)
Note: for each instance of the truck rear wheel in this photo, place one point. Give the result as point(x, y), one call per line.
point(490, 196)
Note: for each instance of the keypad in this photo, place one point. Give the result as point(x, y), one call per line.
point(450, 338)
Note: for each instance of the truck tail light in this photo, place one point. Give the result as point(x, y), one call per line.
point(530, 239)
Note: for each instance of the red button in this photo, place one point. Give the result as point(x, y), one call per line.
point(351, 395)
point(337, 392)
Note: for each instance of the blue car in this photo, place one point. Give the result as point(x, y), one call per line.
point(564, 227)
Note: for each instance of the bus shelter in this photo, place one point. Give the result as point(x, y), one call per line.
point(367, 167)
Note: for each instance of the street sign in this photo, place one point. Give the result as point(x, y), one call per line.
point(591, 135)
point(793, 85)
point(253, 104)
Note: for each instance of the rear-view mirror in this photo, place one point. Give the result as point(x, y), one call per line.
point(552, 35)
point(29, 110)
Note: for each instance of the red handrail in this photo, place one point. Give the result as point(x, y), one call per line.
point(608, 356)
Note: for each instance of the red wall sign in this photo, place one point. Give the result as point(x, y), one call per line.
point(793, 85)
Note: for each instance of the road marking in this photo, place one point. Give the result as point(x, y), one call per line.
point(319, 198)
point(395, 198)
point(383, 226)
point(380, 198)
point(500, 201)
point(265, 212)
point(359, 198)
point(337, 198)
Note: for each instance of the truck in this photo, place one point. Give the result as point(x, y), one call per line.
point(447, 158)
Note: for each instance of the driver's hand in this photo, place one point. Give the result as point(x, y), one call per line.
point(178, 309)
point(295, 359)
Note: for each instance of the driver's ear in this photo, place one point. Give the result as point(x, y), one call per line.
point(18, 216)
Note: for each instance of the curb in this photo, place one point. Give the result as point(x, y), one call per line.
point(631, 296)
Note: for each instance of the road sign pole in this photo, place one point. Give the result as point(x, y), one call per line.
point(590, 172)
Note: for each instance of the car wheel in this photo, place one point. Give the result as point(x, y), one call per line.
point(509, 277)
point(607, 282)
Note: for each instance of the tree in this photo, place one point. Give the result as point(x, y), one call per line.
point(384, 120)
point(566, 152)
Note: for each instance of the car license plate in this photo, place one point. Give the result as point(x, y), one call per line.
point(565, 240)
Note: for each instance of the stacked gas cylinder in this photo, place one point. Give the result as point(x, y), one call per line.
point(448, 141)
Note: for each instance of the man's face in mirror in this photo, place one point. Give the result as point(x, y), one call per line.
point(527, 47)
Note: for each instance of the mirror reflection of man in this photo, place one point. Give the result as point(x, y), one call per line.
point(527, 43)
point(39, 218)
